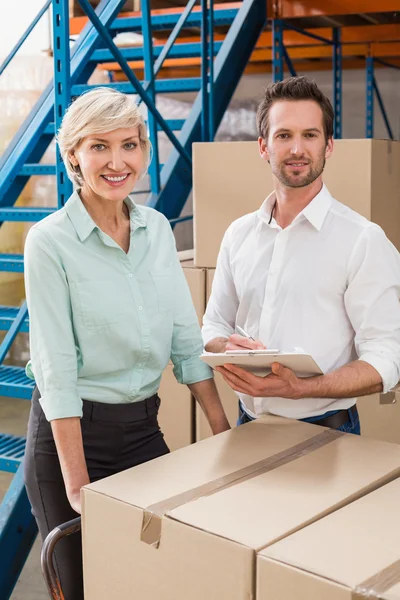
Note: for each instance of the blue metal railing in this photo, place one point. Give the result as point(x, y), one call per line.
point(154, 169)
point(62, 88)
point(13, 331)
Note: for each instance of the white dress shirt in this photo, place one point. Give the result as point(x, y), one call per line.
point(329, 283)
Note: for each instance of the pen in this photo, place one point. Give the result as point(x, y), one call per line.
point(244, 334)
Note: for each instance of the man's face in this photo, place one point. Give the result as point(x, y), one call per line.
point(296, 147)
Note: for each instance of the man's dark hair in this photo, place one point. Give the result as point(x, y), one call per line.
point(293, 89)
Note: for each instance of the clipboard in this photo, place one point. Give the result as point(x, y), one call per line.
point(259, 363)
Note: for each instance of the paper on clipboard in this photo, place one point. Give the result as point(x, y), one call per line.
point(260, 364)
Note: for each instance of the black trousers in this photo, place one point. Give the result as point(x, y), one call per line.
point(115, 437)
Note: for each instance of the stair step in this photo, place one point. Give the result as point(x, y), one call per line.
point(7, 316)
point(22, 213)
point(163, 86)
point(12, 449)
point(37, 169)
point(14, 383)
point(12, 262)
point(222, 16)
point(136, 53)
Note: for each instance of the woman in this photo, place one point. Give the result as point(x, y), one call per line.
point(109, 306)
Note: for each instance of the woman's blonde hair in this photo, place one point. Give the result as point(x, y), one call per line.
point(100, 110)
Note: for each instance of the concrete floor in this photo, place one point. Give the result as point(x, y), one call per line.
point(30, 586)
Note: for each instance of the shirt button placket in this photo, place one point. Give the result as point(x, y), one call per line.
point(270, 287)
point(145, 335)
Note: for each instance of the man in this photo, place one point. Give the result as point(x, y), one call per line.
point(306, 271)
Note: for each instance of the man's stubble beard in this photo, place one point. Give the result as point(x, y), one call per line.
point(291, 181)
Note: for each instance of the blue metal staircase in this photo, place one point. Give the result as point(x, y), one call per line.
point(222, 65)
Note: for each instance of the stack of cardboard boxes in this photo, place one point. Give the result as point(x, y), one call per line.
point(230, 180)
point(217, 520)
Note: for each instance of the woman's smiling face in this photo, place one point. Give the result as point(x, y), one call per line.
point(110, 163)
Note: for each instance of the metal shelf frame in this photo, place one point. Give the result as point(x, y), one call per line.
point(372, 91)
point(280, 57)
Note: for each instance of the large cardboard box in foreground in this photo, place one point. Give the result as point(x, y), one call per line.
point(353, 553)
point(188, 525)
point(177, 410)
point(230, 180)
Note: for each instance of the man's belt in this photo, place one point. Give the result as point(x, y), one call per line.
point(338, 419)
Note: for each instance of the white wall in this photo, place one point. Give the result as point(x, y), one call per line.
point(16, 17)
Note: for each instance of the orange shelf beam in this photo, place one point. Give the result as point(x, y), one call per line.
point(382, 50)
point(350, 35)
point(292, 9)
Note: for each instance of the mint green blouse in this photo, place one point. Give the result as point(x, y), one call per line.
point(104, 324)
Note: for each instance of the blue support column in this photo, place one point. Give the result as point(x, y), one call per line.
point(62, 87)
point(211, 72)
point(288, 61)
point(369, 124)
point(337, 81)
point(204, 71)
point(278, 52)
point(13, 331)
point(383, 110)
point(154, 168)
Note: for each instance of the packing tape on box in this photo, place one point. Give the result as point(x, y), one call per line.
point(379, 583)
point(151, 526)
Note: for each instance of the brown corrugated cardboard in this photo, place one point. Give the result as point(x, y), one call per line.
point(346, 555)
point(207, 547)
point(228, 397)
point(230, 179)
point(176, 416)
point(380, 416)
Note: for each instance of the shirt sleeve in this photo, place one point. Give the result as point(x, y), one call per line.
point(372, 301)
point(187, 344)
point(220, 317)
point(52, 342)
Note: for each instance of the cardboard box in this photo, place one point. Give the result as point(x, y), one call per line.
point(228, 397)
point(353, 553)
point(230, 180)
point(380, 416)
point(189, 524)
point(177, 410)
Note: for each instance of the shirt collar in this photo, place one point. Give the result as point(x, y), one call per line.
point(315, 212)
point(83, 222)
point(318, 208)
